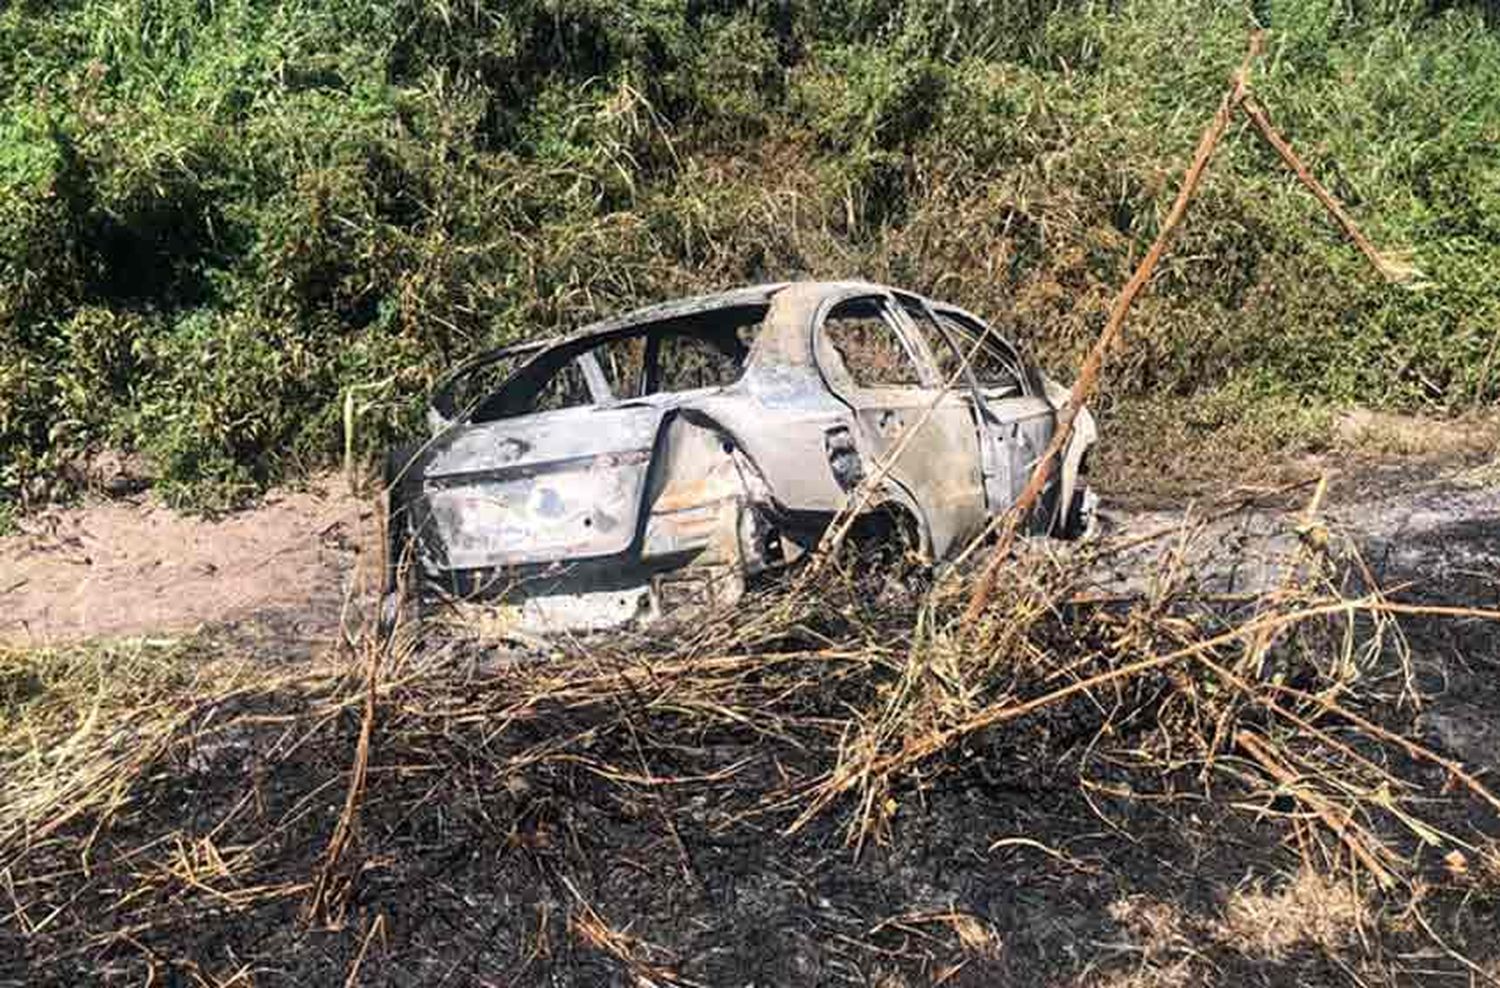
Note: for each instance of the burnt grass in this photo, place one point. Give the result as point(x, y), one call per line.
point(619, 839)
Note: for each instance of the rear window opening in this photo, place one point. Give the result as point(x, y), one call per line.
point(705, 350)
point(868, 345)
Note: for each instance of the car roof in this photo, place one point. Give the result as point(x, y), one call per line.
point(749, 295)
point(542, 354)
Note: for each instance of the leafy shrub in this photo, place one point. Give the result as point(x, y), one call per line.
point(219, 221)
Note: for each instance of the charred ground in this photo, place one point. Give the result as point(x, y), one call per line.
point(657, 809)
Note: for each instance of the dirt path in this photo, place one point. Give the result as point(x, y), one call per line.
point(132, 568)
point(1433, 530)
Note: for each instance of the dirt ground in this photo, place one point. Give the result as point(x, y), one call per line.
point(296, 563)
point(132, 567)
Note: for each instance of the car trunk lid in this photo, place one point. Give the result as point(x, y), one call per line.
point(563, 485)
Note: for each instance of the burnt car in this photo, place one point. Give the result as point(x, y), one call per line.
point(666, 456)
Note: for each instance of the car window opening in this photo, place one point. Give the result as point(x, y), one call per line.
point(708, 351)
point(868, 344)
point(996, 368)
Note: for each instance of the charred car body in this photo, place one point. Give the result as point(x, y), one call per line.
point(669, 454)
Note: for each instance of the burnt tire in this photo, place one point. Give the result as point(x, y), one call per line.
point(1081, 519)
point(887, 543)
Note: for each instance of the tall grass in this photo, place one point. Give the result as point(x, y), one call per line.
point(216, 220)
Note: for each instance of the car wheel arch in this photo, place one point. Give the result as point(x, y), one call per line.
point(895, 500)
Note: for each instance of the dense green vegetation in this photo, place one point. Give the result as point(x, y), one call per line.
point(219, 218)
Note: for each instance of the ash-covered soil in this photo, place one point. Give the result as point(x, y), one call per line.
point(626, 842)
point(1428, 535)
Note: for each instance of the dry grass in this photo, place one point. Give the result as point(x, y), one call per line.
point(1313, 908)
point(569, 806)
point(1198, 442)
point(1387, 435)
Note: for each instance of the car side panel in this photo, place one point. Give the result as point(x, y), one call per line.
point(789, 441)
point(935, 449)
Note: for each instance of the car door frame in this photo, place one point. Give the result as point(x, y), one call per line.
point(1015, 430)
point(951, 499)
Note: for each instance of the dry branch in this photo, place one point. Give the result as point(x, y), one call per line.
point(1239, 98)
point(1392, 269)
point(1339, 823)
point(333, 885)
point(1088, 374)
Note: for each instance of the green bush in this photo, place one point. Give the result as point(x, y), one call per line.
point(218, 221)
